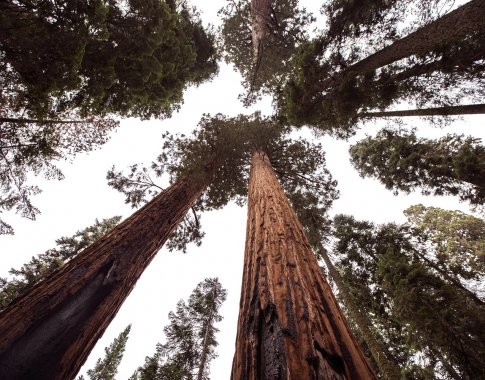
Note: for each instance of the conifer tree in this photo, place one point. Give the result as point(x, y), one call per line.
point(331, 85)
point(106, 368)
point(259, 38)
point(290, 325)
point(431, 327)
point(454, 164)
point(75, 304)
point(190, 337)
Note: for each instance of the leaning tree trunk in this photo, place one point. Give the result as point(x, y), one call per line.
point(290, 326)
point(48, 333)
point(467, 109)
point(389, 369)
point(452, 27)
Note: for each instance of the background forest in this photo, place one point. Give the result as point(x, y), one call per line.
point(390, 247)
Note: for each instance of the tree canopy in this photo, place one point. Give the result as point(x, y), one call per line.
point(453, 164)
point(107, 368)
point(287, 29)
point(131, 58)
point(299, 165)
point(347, 71)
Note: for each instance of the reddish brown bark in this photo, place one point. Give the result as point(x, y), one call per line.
point(290, 326)
point(49, 332)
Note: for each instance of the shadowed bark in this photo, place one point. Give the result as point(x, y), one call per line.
point(48, 333)
point(290, 326)
point(467, 109)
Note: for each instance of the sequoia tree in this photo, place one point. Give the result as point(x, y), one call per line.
point(290, 325)
point(66, 314)
point(454, 164)
point(259, 38)
point(74, 305)
point(190, 344)
point(468, 109)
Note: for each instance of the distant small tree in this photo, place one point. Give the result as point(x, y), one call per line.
point(453, 164)
point(191, 341)
point(41, 266)
point(107, 368)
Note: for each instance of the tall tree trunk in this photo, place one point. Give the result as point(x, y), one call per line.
point(290, 325)
point(260, 15)
point(205, 345)
point(389, 368)
point(467, 109)
point(49, 332)
point(452, 27)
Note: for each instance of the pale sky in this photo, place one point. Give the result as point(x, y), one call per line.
point(84, 195)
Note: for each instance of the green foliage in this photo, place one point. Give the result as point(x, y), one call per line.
point(452, 165)
point(31, 147)
point(288, 28)
point(106, 368)
point(41, 266)
point(431, 328)
point(458, 239)
point(132, 58)
point(226, 145)
point(329, 91)
point(190, 337)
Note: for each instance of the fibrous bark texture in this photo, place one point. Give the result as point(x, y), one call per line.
point(290, 326)
point(466, 109)
point(48, 333)
point(260, 14)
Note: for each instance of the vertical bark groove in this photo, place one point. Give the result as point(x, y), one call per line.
point(290, 326)
point(49, 332)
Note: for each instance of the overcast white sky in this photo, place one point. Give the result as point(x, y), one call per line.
point(83, 196)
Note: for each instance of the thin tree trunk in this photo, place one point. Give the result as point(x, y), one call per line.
point(451, 279)
point(290, 325)
point(47, 121)
point(205, 346)
point(48, 333)
point(389, 369)
point(467, 109)
point(454, 26)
